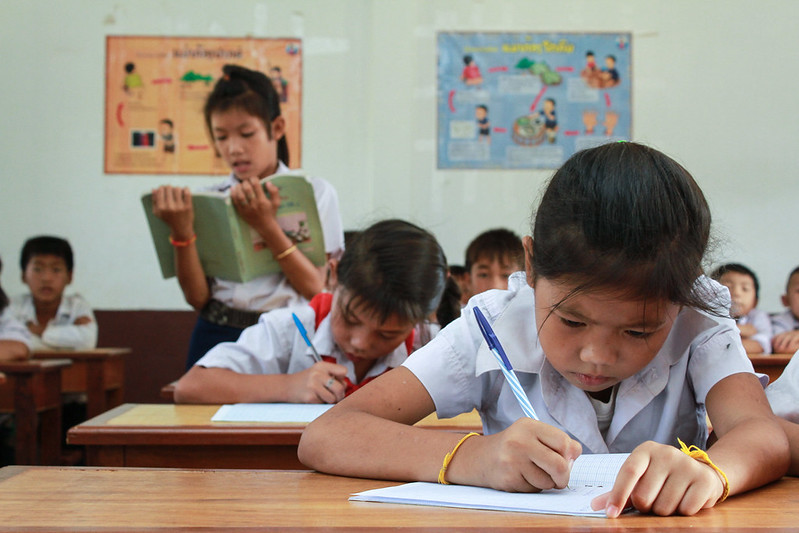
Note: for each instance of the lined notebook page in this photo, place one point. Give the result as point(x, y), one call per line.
point(591, 476)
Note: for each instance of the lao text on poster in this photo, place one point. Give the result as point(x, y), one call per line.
point(530, 100)
point(156, 88)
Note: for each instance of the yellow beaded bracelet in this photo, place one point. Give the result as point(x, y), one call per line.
point(701, 456)
point(448, 458)
point(287, 252)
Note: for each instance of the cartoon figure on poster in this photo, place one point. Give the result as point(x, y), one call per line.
point(550, 95)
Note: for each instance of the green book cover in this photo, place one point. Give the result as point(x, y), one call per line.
point(228, 247)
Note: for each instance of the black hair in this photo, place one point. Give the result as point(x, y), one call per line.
point(792, 274)
point(589, 53)
point(739, 269)
point(611, 56)
point(495, 245)
point(129, 67)
point(450, 307)
point(624, 216)
point(483, 107)
point(250, 91)
point(457, 270)
point(167, 122)
point(46, 245)
point(394, 268)
point(3, 295)
point(467, 59)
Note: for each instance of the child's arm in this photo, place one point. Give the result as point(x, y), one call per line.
point(751, 450)
point(369, 434)
point(786, 342)
point(221, 385)
point(792, 431)
point(259, 211)
point(13, 350)
point(81, 334)
point(173, 205)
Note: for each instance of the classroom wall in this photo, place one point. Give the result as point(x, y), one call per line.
point(713, 86)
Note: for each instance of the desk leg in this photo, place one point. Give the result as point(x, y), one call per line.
point(50, 436)
point(25, 420)
point(95, 388)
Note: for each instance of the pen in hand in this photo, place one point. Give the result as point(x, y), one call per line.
point(304, 334)
point(504, 363)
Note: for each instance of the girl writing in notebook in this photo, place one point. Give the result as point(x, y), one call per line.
point(243, 117)
point(389, 279)
point(618, 342)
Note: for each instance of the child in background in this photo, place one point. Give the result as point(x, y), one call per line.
point(389, 279)
point(754, 324)
point(617, 344)
point(15, 339)
point(785, 326)
point(243, 117)
point(55, 320)
point(491, 257)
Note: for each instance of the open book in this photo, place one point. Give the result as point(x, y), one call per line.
point(229, 248)
point(591, 476)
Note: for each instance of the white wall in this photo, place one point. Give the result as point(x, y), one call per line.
point(713, 86)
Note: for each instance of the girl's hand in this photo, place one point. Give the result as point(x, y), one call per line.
point(254, 206)
point(662, 480)
point(322, 383)
point(173, 206)
point(529, 456)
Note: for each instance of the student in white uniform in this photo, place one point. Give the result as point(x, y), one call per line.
point(389, 280)
point(617, 344)
point(243, 117)
point(15, 339)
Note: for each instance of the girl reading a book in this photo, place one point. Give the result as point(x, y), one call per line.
point(618, 341)
point(243, 117)
point(389, 279)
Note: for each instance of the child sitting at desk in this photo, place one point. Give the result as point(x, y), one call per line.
point(390, 279)
point(617, 344)
point(15, 338)
point(785, 326)
point(753, 323)
point(491, 257)
point(54, 319)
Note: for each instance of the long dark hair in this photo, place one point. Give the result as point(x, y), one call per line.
point(252, 92)
point(3, 296)
point(624, 216)
point(394, 268)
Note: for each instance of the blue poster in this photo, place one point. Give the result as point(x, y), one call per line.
point(530, 100)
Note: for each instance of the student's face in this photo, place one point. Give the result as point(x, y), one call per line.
point(791, 298)
point(742, 292)
point(47, 277)
point(360, 335)
point(486, 274)
point(599, 338)
point(242, 141)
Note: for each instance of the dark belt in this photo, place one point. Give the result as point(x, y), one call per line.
point(218, 313)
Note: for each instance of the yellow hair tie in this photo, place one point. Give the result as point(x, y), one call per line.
point(448, 458)
point(701, 456)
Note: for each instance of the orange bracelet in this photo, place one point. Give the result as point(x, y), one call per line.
point(182, 244)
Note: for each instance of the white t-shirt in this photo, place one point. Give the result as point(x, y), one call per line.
point(61, 331)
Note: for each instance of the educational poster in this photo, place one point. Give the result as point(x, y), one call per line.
point(156, 88)
point(530, 100)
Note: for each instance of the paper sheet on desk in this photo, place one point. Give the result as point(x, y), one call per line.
point(592, 475)
point(270, 412)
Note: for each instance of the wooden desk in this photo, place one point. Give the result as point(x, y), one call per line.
point(33, 394)
point(100, 373)
point(88, 499)
point(183, 436)
point(771, 365)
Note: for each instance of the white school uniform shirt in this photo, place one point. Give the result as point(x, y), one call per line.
point(61, 331)
point(662, 402)
point(783, 322)
point(11, 329)
point(783, 394)
point(762, 323)
point(274, 290)
point(274, 346)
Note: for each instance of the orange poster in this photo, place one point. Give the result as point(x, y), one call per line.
point(156, 88)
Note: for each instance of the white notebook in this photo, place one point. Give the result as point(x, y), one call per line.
point(270, 412)
point(591, 476)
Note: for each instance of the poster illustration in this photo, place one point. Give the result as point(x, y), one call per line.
point(156, 88)
point(530, 100)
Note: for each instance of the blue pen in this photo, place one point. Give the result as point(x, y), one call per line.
point(305, 337)
point(504, 363)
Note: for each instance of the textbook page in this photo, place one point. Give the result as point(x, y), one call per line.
point(228, 247)
point(591, 476)
point(270, 412)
